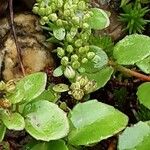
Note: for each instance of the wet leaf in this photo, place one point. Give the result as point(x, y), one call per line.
point(99, 20)
point(143, 94)
point(101, 77)
point(52, 145)
point(45, 120)
point(135, 137)
point(94, 121)
point(99, 61)
point(58, 72)
point(29, 88)
point(13, 121)
point(144, 65)
point(61, 88)
point(132, 49)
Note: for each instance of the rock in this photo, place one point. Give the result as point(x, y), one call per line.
point(36, 53)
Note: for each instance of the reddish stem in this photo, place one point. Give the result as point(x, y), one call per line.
point(129, 71)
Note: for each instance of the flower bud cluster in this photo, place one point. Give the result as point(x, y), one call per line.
point(81, 87)
point(71, 15)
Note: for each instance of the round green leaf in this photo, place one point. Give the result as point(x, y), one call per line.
point(60, 87)
point(29, 88)
point(94, 121)
point(13, 121)
point(59, 33)
point(2, 131)
point(99, 20)
point(97, 62)
point(52, 145)
point(144, 65)
point(131, 49)
point(135, 137)
point(143, 94)
point(58, 72)
point(101, 77)
point(45, 120)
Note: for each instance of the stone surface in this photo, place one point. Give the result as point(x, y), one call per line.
point(36, 53)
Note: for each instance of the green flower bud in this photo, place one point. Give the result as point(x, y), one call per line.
point(59, 22)
point(60, 52)
point(81, 5)
point(87, 48)
point(84, 60)
point(73, 31)
point(66, 6)
point(53, 17)
point(59, 3)
point(90, 55)
point(42, 22)
point(42, 11)
point(45, 19)
point(86, 17)
point(2, 86)
point(82, 50)
point(65, 61)
point(78, 43)
point(67, 13)
point(78, 94)
point(69, 49)
point(42, 4)
point(75, 85)
point(69, 72)
point(35, 10)
point(75, 64)
point(48, 10)
point(74, 57)
point(90, 87)
point(85, 25)
point(53, 6)
point(69, 38)
point(83, 80)
point(76, 20)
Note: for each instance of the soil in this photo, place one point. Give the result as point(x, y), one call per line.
point(115, 89)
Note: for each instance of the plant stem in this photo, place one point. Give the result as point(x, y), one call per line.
point(15, 36)
point(129, 72)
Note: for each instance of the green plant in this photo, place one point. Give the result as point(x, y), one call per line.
point(70, 24)
point(133, 16)
point(31, 105)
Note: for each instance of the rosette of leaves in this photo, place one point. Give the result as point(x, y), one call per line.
point(133, 16)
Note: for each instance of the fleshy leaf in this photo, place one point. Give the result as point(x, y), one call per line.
point(144, 65)
point(101, 77)
point(143, 94)
point(58, 72)
point(135, 137)
point(52, 145)
point(131, 49)
point(13, 121)
point(45, 120)
point(99, 20)
point(94, 121)
point(97, 62)
point(61, 88)
point(29, 88)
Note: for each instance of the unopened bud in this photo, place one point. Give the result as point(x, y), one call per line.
point(69, 72)
point(65, 61)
